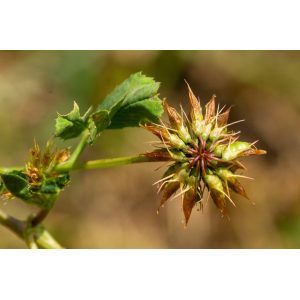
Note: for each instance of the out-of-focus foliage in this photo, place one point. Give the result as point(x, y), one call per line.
point(116, 207)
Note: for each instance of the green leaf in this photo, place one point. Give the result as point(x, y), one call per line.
point(72, 125)
point(133, 102)
point(100, 120)
point(49, 191)
point(17, 185)
point(138, 112)
point(42, 196)
point(140, 104)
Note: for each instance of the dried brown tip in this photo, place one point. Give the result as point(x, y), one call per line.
point(233, 166)
point(223, 118)
point(219, 200)
point(158, 155)
point(62, 155)
point(174, 118)
point(193, 100)
point(189, 201)
point(225, 212)
point(158, 131)
point(253, 152)
point(238, 188)
point(6, 194)
point(168, 192)
point(210, 108)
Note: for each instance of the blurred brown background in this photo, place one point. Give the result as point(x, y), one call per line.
point(116, 207)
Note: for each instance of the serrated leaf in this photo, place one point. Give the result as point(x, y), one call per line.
point(141, 103)
point(138, 112)
point(42, 196)
point(17, 185)
point(100, 120)
point(72, 125)
point(49, 191)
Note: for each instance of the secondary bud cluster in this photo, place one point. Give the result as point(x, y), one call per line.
point(203, 155)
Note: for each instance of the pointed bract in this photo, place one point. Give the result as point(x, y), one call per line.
point(223, 118)
point(210, 109)
point(251, 152)
point(195, 108)
point(177, 122)
point(189, 201)
point(169, 190)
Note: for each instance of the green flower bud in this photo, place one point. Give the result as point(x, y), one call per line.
point(218, 150)
point(234, 150)
point(176, 142)
point(206, 131)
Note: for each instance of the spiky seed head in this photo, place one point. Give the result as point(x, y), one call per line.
point(204, 155)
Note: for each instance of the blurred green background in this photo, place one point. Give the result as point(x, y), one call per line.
point(116, 207)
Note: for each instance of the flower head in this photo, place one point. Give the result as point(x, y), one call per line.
point(203, 155)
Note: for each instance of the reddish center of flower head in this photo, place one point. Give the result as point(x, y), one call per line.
point(202, 156)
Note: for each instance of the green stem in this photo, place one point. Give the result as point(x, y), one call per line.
point(13, 224)
point(39, 235)
point(102, 163)
point(93, 164)
point(6, 170)
point(79, 149)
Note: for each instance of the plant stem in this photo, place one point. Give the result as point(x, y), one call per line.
point(93, 164)
point(102, 163)
point(79, 149)
point(6, 170)
point(13, 224)
point(41, 236)
point(40, 217)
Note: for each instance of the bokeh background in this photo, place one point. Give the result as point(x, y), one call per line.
point(116, 207)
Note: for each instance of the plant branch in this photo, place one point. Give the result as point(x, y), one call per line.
point(40, 217)
point(6, 170)
point(93, 164)
point(38, 234)
point(102, 163)
point(79, 149)
point(13, 224)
